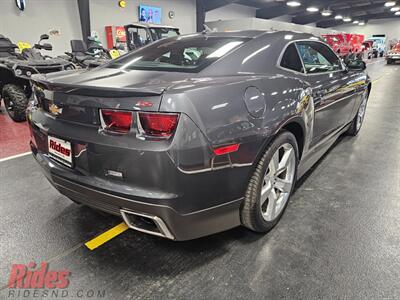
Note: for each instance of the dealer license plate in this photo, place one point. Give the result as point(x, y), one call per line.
point(60, 150)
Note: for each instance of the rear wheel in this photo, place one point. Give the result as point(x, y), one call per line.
point(271, 185)
point(389, 61)
point(359, 118)
point(15, 102)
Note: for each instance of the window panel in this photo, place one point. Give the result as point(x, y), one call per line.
point(291, 60)
point(318, 58)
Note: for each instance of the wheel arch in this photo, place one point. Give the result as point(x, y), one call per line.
point(6, 76)
point(296, 128)
point(369, 87)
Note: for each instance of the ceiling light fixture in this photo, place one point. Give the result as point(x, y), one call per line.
point(390, 3)
point(396, 8)
point(347, 19)
point(293, 3)
point(326, 12)
point(356, 22)
point(362, 23)
point(338, 17)
point(312, 9)
point(397, 13)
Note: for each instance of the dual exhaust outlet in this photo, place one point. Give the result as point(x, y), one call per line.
point(146, 223)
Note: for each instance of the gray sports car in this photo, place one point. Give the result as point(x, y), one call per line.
point(196, 134)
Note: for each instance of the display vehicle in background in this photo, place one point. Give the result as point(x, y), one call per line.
point(16, 68)
point(345, 44)
point(393, 55)
point(378, 46)
point(367, 49)
point(356, 43)
point(88, 55)
point(142, 34)
point(338, 43)
point(197, 134)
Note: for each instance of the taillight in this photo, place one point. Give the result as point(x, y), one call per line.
point(116, 120)
point(226, 149)
point(160, 125)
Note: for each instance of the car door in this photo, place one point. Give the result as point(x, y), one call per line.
point(332, 91)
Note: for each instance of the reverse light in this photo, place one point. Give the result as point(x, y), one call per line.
point(116, 120)
point(159, 125)
point(226, 149)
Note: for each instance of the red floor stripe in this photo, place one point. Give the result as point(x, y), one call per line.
point(14, 137)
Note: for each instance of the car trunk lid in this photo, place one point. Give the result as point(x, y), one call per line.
point(77, 96)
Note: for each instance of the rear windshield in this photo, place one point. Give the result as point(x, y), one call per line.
point(182, 54)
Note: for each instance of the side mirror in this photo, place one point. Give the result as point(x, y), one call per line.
point(44, 37)
point(357, 64)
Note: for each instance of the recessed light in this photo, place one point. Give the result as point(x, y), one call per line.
point(397, 13)
point(293, 3)
point(338, 17)
point(312, 9)
point(356, 22)
point(326, 12)
point(347, 19)
point(390, 3)
point(396, 8)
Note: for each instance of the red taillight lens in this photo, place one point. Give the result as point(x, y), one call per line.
point(117, 121)
point(158, 124)
point(226, 149)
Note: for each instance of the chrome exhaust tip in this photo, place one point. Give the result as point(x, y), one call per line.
point(146, 223)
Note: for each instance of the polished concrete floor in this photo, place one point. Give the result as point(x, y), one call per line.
point(339, 237)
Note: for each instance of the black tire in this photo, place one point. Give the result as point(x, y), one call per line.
point(354, 129)
point(389, 61)
point(16, 95)
point(251, 214)
point(375, 55)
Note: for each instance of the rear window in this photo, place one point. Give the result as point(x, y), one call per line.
point(182, 54)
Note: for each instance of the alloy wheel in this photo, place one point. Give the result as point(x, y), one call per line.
point(278, 182)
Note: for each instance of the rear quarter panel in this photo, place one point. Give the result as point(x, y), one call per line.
point(217, 106)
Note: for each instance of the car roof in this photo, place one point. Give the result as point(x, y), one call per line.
point(151, 25)
point(295, 35)
point(266, 44)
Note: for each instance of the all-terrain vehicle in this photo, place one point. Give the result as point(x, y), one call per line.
point(88, 55)
point(16, 70)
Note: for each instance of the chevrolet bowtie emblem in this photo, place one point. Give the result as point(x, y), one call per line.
point(55, 110)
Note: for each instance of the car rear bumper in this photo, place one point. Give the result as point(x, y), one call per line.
point(167, 222)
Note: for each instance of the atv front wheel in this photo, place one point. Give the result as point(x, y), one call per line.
point(15, 102)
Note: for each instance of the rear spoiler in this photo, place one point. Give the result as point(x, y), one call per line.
point(91, 91)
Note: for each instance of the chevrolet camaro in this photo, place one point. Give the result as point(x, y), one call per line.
point(196, 134)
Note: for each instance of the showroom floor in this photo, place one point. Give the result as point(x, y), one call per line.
point(338, 238)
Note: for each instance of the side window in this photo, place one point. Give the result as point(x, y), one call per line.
point(291, 60)
point(318, 58)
